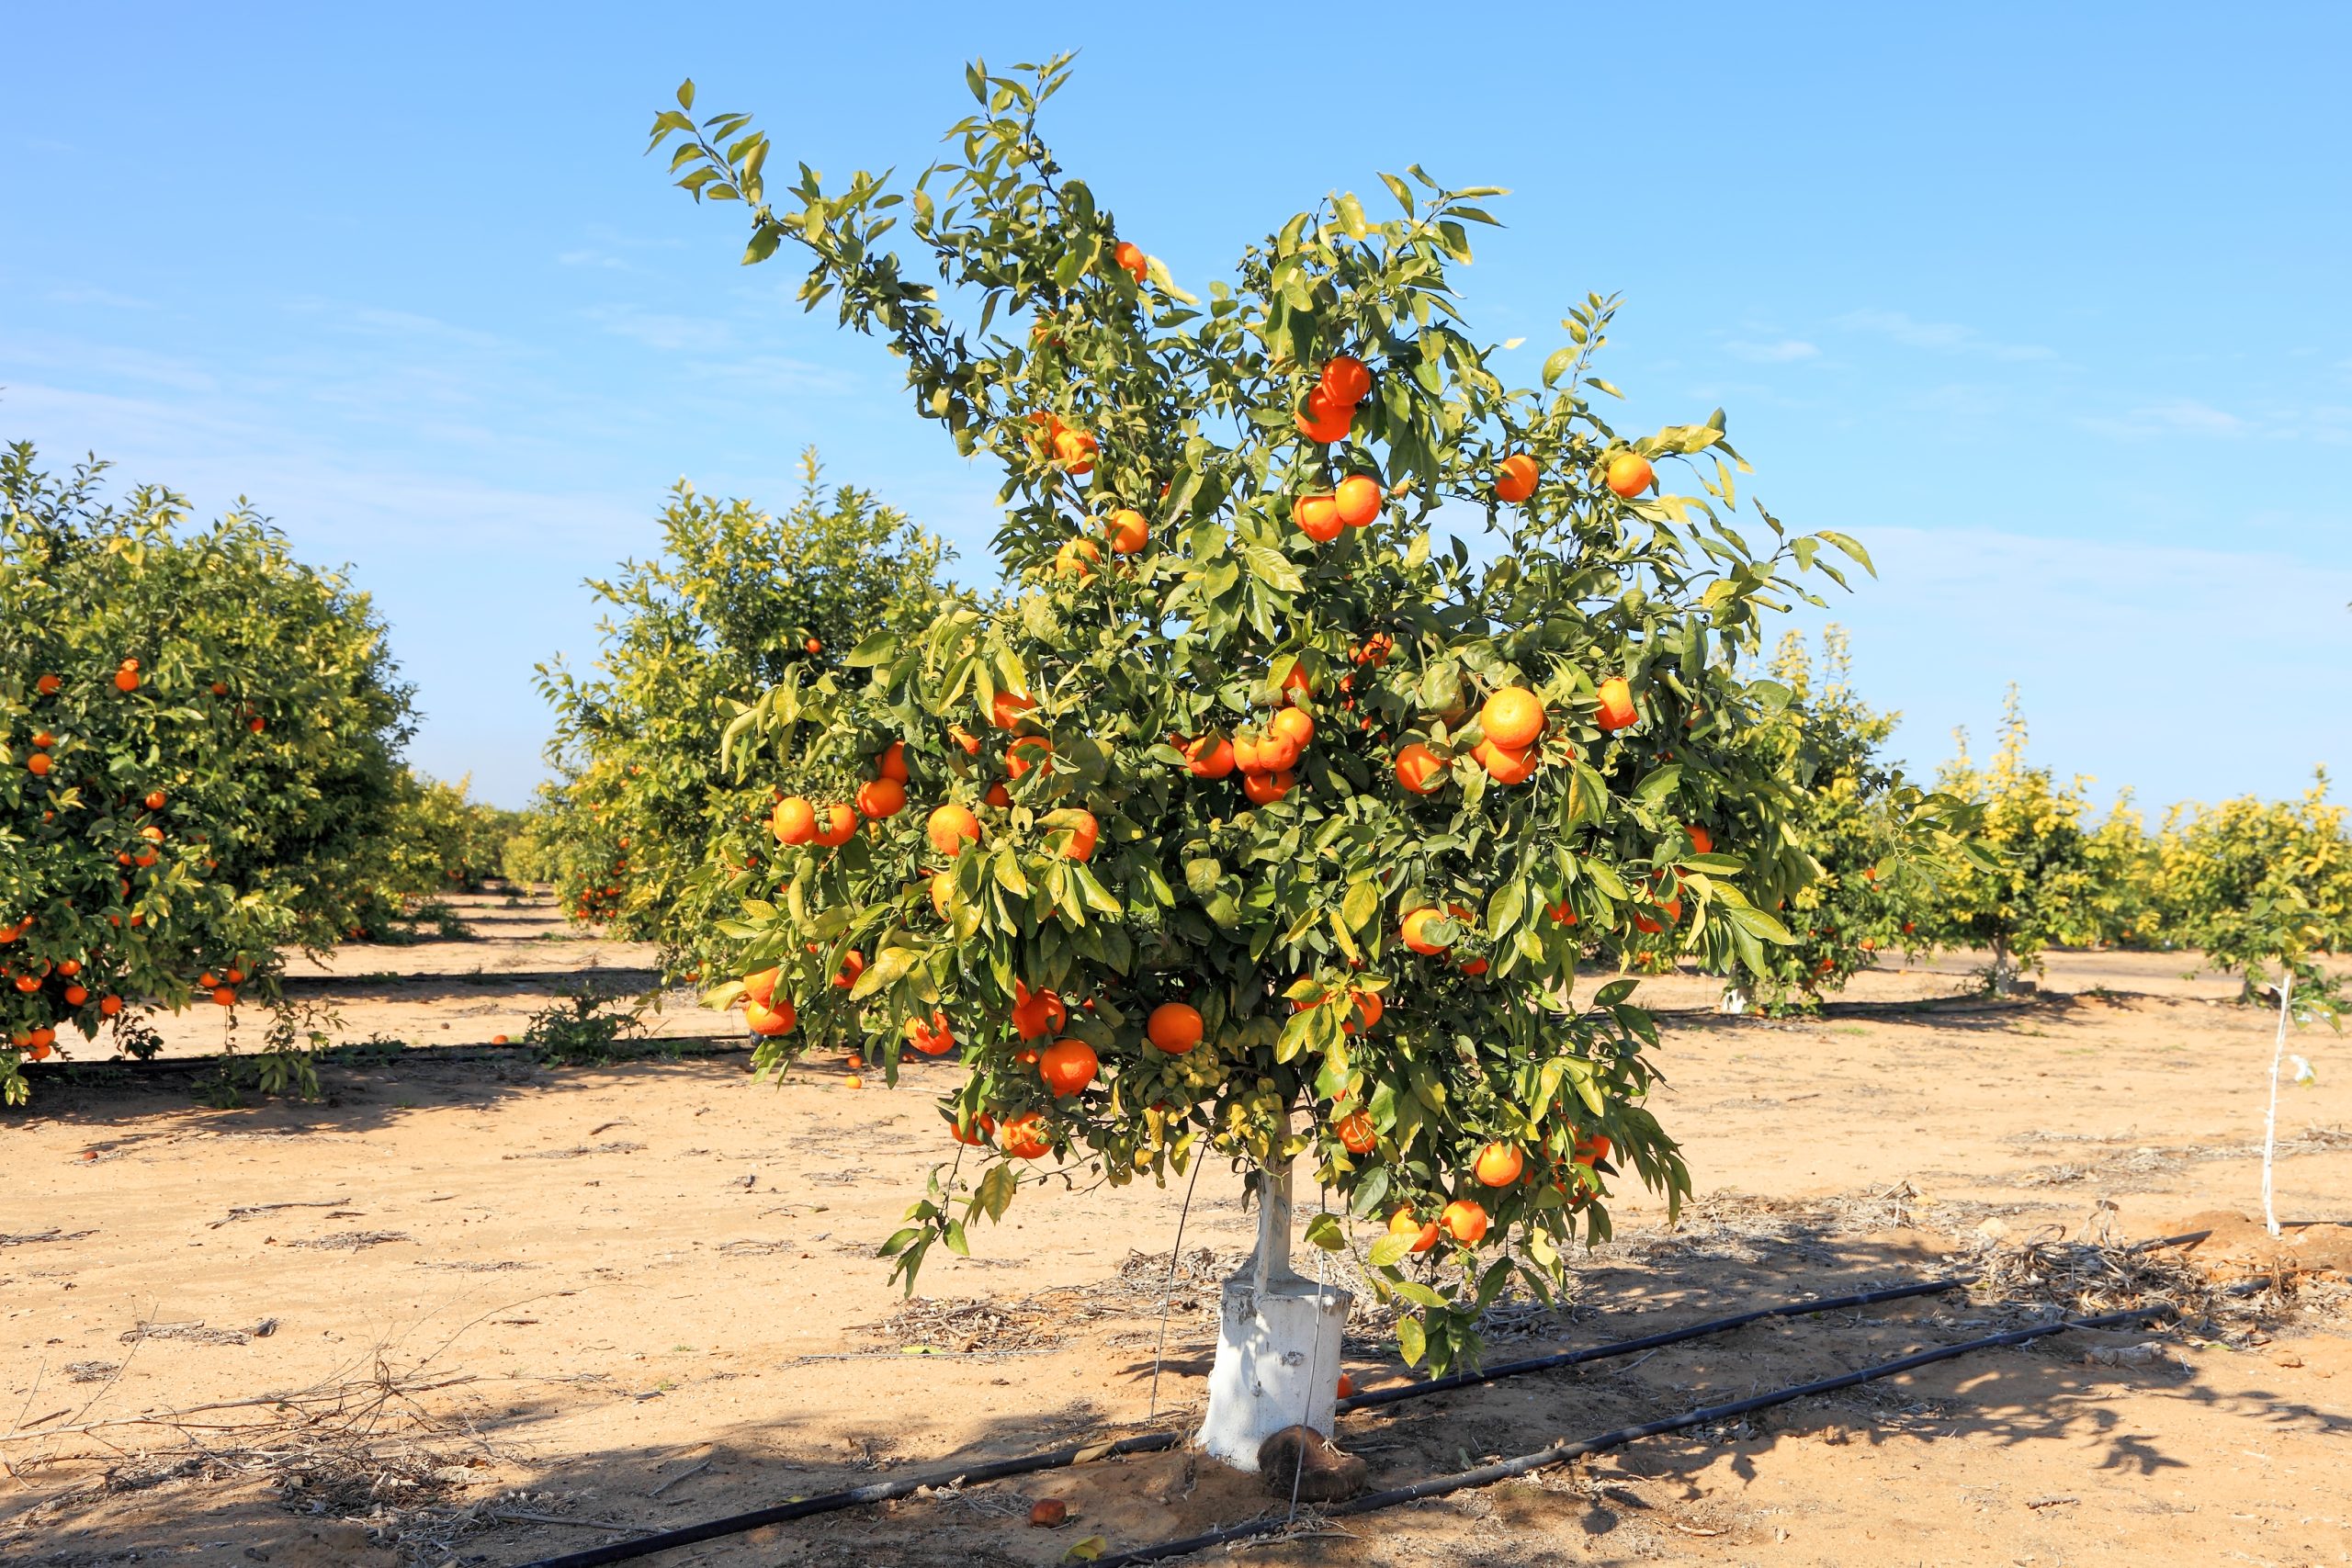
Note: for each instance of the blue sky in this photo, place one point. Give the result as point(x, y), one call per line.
point(2045, 304)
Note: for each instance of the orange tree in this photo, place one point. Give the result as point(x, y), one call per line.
point(646, 831)
point(2253, 883)
point(1864, 847)
point(198, 741)
point(1256, 815)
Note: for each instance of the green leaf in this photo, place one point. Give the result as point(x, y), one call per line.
point(878, 649)
point(889, 966)
point(1326, 1231)
point(1412, 1340)
point(1360, 906)
point(1391, 1249)
point(1851, 547)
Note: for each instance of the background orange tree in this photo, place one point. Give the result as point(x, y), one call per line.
point(1225, 530)
point(198, 740)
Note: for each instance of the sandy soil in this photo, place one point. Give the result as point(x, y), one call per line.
point(647, 1294)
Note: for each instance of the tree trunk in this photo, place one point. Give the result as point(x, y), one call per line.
point(1737, 1001)
point(1278, 1340)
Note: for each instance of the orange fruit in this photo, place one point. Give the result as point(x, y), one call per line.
point(1515, 477)
point(1276, 751)
point(257, 724)
point(1561, 913)
point(1210, 757)
point(219, 688)
point(840, 825)
point(935, 1039)
point(965, 739)
point(1616, 704)
point(1347, 1386)
point(1076, 558)
point(1512, 717)
point(75, 996)
point(1630, 474)
point(852, 965)
point(1075, 449)
point(1507, 764)
point(1421, 770)
point(1068, 1067)
point(1129, 532)
point(1317, 517)
point(1402, 1223)
point(1245, 754)
point(1296, 684)
point(949, 828)
point(127, 678)
point(761, 987)
point(1130, 256)
point(1174, 1027)
point(1037, 1012)
point(155, 800)
point(1412, 927)
point(207, 980)
point(1375, 650)
point(998, 797)
point(1267, 788)
point(1023, 1136)
point(812, 647)
point(1591, 1149)
point(1647, 924)
point(770, 1020)
point(1357, 499)
point(1026, 754)
point(44, 739)
point(38, 764)
point(794, 819)
point(110, 1005)
point(1295, 726)
point(881, 798)
point(1083, 831)
point(1369, 1009)
point(892, 764)
point(972, 1136)
point(943, 889)
point(1356, 1133)
point(1464, 1220)
point(222, 995)
point(1324, 419)
point(1701, 840)
point(47, 685)
point(1006, 707)
point(1499, 1165)
point(1345, 381)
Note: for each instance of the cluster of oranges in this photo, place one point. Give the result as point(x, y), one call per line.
point(602, 902)
point(1332, 402)
point(63, 979)
point(1264, 756)
point(1498, 1166)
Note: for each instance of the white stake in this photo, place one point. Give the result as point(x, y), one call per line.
point(2270, 1127)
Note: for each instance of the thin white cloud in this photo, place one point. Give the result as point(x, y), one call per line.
point(1943, 337)
point(1786, 351)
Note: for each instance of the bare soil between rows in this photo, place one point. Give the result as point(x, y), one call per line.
point(485, 1312)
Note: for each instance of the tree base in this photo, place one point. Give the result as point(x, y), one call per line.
point(1277, 1362)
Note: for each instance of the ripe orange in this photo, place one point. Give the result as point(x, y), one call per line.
point(881, 798)
point(1026, 754)
point(1129, 532)
point(257, 724)
point(1561, 913)
point(1210, 757)
point(793, 821)
point(1245, 754)
point(1276, 751)
point(1130, 256)
point(127, 678)
point(1402, 1223)
point(1515, 477)
point(1356, 1133)
point(47, 685)
point(949, 828)
point(998, 797)
point(1512, 717)
point(1174, 1027)
point(1499, 1165)
point(973, 1137)
point(840, 826)
point(761, 987)
point(1075, 449)
point(1023, 1136)
point(933, 1038)
point(1412, 927)
point(1464, 1220)
point(1616, 704)
point(1325, 420)
point(222, 995)
point(1345, 381)
point(110, 1006)
point(965, 739)
point(1006, 707)
point(75, 996)
point(852, 965)
point(1507, 764)
point(1421, 770)
point(1369, 1009)
point(1700, 840)
point(942, 891)
point(1068, 1067)
point(892, 764)
point(1317, 517)
point(1295, 726)
point(155, 800)
point(43, 739)
point(219, 688)
point(1076, 558)
point(38, 764)
point(1630, 474)
point(1648, 925)
point(1296, 684)
point(1037, 1012)
point(1347, 1386)
point(152, 833)
point(1083, 831)
point(1375, 650)
point(812, 647)
point(1357, 499)
point(770, 1020)
point(1267, 788)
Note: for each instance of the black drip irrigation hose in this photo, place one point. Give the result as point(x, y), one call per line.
point(1504, 1470)
point(1153, 1442)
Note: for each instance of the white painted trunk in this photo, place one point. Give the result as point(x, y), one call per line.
point(1278, 1341)
point(1736, 1002)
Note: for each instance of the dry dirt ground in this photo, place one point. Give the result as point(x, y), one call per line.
point(493, 1312)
